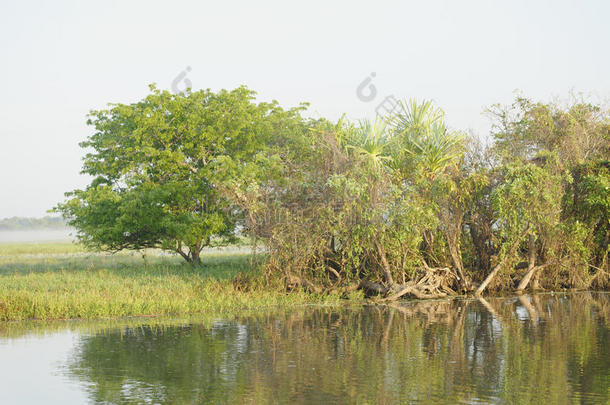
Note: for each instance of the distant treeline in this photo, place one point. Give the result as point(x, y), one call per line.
point(24, 224)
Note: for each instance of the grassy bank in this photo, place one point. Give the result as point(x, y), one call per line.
point(60, 281)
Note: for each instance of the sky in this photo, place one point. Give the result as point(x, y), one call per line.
point(61, 59)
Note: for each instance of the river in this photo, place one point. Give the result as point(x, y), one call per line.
point(545, 348)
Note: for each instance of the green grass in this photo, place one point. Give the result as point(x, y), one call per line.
point(10, 249)
point(62, 281)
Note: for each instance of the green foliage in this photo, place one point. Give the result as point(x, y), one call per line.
point(588, 196)
point(156, 168)
point(576, 133)
point(341, 197)
point(424, 143)
point(370, 143)
point(554, 180)
point(379, 199)
point(527, 200)
point(586, 205)
point(392, 201)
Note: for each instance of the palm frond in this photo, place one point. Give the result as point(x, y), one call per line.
point(370, 142)
point(423, 137)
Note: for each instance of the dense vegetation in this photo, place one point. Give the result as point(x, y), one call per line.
point(400, 205)
point(26, 224)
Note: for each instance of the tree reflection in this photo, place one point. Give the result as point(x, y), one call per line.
point(547, 348)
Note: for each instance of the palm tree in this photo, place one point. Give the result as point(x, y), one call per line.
point(370, 142)
point(423, 137)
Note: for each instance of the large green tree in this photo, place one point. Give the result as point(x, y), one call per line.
point(155, 169)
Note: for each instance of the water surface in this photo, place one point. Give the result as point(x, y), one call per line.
point(548, 348)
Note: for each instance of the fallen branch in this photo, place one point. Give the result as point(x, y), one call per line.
point(384, 262)
point(528, 276)
point(434, 284)
point(334, 273)
point(496, 269)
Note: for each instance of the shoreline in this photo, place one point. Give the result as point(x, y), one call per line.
point(62, 282)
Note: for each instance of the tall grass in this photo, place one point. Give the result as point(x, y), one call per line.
point(71, 283)
point(39, 248)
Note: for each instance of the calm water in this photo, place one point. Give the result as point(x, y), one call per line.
point(550, 349)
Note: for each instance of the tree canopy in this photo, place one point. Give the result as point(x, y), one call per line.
point(155, 169)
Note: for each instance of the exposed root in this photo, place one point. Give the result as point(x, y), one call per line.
point(436, 283)
point(335, 273)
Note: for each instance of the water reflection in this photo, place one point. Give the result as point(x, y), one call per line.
point(545, 348)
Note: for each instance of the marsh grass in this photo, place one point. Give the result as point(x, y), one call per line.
point(63, 281)
point(40, 248)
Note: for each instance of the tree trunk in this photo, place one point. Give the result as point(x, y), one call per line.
point(482, 257)
point(427, 245)
point(456, 257)
point(452, 231)
point(531, 263)
point(195, 257)
point(489, 278)
point(182, 253)
point(195, 251)
point(536, 280)
point(384, 263)
point(496, 269)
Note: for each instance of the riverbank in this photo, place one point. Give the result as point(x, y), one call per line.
point(63, 281)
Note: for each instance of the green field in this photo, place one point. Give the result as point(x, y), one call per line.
point(64, 281)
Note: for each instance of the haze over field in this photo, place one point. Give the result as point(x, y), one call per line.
point(44, 235)
point(62, 59)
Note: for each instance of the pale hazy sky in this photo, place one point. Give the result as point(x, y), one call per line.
point(62, 58)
